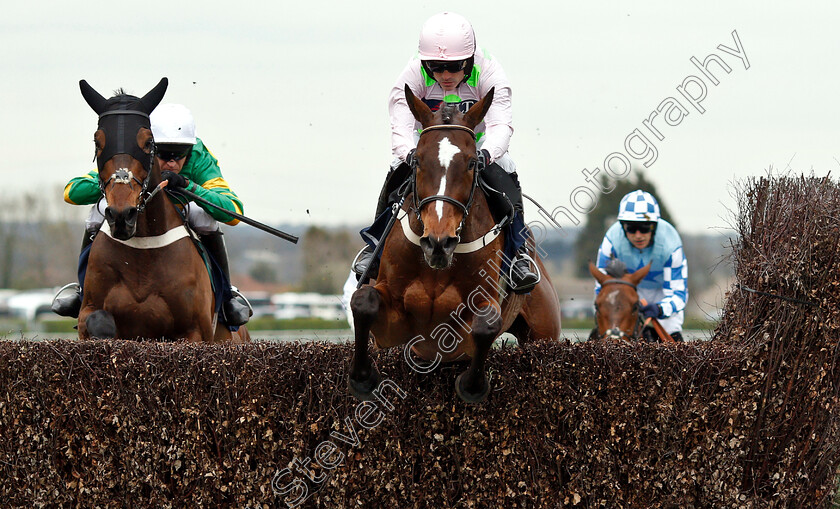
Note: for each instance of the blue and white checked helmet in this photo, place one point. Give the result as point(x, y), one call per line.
point(638, 206)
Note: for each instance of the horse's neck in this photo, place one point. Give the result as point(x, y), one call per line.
point(159, 217)
point(479, 221)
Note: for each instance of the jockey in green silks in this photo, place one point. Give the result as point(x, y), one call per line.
point(186, 163)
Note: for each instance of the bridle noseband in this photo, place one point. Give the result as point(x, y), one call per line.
point(615, 332)
point(465, 208)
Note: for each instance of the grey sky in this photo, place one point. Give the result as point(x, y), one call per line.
point(291, 96)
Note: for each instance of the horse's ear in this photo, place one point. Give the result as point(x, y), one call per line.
point(418, 108)
point(476, 114)
point(597, 274)
point(640, 274)
point(93, 98)
point(150, 101)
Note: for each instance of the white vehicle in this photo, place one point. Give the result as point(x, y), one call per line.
point(31, 303)
point(307, 305)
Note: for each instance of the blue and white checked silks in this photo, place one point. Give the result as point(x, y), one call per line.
point(666, 283)
point(638, 206)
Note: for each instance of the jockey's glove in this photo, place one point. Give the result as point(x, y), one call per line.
point(176, 180)
point(484, 159)
point(651, 311)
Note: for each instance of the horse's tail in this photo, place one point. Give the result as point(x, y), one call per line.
point(101, 325)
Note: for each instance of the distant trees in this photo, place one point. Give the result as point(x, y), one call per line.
point(263, 272)
point(326, 259)
point(39, 240)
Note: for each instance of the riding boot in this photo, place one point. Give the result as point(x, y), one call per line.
point(237, 309)
point(68, 300)
point(523, 278)
point(393, 181)
point(504, 196)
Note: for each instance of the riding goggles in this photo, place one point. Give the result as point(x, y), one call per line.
point(637, 227)
point(173, 152)
point(436, 66)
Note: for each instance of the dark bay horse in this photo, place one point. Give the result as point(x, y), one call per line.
point(441, 296)
point(617, 306)
point(145, 278)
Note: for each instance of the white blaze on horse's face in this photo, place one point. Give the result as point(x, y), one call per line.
point(612, 299)
point(446, 152)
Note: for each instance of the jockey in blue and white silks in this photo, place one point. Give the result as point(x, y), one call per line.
point(640, 237)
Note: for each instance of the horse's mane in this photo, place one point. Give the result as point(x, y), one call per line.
point(448, 112)
point(616, 268)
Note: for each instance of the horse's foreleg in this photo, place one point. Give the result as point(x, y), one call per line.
point(364, 377)
point(100, 325)
point(472, 385)
point(82, 325)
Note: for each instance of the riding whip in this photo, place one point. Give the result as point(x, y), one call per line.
point(247, 220)
point(379, 245)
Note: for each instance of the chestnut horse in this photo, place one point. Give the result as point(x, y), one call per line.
point(617, 306)
point(145, 278)
point(440, 296)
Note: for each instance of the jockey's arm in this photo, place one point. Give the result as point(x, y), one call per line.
point(402, 120)
point(498, 124)
point(206, 181)
point(83, 190)
point(605, 253)
point(218, 192)
point(674, 284)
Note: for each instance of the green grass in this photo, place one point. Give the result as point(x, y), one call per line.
point(256, 324)
point(268, 323)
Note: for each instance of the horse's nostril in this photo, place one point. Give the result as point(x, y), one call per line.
point(109, 214)
point(426, 243)
point(450, 243)
point(131, 215)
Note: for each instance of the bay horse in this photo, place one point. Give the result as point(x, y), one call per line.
point(617, 305)
point(145, 277)
point(441, 297)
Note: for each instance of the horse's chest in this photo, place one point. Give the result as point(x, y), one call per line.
point(430, 304)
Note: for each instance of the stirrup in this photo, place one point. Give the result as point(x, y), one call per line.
point(234, 291)
point(524, 288)
point(363, 258)
point(234, 316)
point(68, 306)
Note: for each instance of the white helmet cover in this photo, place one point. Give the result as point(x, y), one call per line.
point(446, 36)
point(173, 123)
point(638, 206)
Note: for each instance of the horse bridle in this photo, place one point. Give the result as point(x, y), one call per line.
point(124, 175)
point(616, 332)
point(418, 205)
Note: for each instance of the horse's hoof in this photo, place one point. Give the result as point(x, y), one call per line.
point(363, 390)
point(100, 325)
point(467, 396)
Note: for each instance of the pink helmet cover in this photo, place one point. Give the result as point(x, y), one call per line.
point(446, 36)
